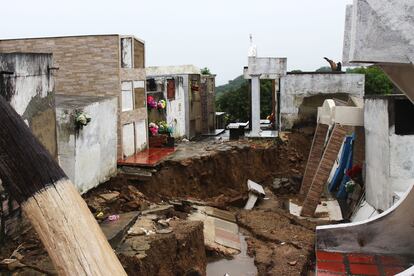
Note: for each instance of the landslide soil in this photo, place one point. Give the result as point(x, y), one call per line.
point(217, 172)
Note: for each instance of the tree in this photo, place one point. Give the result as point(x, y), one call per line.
point(324, 69)
point(376, 82)
point(205, 71)
point(235, 102)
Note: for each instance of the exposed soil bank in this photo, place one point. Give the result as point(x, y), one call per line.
point(219, 172)
point(280, 244)
point(176, 253)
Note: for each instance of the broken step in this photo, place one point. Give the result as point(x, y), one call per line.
point(136, 173)
point(116, 230)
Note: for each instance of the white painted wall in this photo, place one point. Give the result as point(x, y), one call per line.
point(401, 162)
point(176, 108)
point(377, 153)
point(126, 52)
point(381, 31)
point(141, 135)
point(89, 156)
point(268, 67)
point(294, 88)
point(389, 157)
point(32, 78)
point(128, 139)
point(127, 96)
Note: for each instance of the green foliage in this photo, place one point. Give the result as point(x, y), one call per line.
point(324, 69)
point(376, 82)
point(205, 71)
point(232, 85)
point(235, 101)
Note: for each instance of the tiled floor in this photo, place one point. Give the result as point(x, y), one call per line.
point(332, 263)
point(149, 157)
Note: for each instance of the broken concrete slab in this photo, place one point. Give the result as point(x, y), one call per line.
point(219, 235)
point(110, 197)
point(142, 226)
point(255, 191)
point(251, 201)
point(221, 214)
point(158, 210)
point(327, 210)
point(254, 187)
point(116, 230)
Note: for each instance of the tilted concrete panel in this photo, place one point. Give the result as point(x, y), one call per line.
point(381, 31)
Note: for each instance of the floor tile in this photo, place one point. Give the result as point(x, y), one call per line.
point(364, 269)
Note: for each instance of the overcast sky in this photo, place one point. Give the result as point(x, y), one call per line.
point(213, 34)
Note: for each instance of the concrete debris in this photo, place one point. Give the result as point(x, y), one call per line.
point(255, 191)
point(255, 188)
point(286, 185)
point(251, 201)
point(116, 230)
point(220, 236)
point(110, 197)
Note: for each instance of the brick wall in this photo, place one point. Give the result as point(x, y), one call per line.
point(139, 54)
point(359, 146)
point(314, 158)
point(88, 65)
point(324, 168)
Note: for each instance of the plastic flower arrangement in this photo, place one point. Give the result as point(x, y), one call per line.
point(153, 129)
point(164, 128)
point(151, 103)
point(81, 119)
point(161, 104)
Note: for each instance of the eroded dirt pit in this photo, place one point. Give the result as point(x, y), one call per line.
point(210, 173)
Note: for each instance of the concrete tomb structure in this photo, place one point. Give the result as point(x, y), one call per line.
point(302, 93)
point(189, 96)
point(296, 96)
point(87, 153)
point(100, 65)
point(27, 83)
point(262, 68)
point(382, 33)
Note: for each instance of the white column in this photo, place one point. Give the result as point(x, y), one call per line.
point(255, 123)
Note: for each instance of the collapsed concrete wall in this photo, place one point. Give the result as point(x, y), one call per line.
point(379, 31)
point(87, 155)
point(389, 156)
point(295, 89)
point(27, 84)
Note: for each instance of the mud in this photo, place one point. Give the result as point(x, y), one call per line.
point(216, 173)
point(280, 245)
point(176, 253)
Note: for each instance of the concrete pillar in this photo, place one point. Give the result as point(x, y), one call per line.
point(255, 120)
